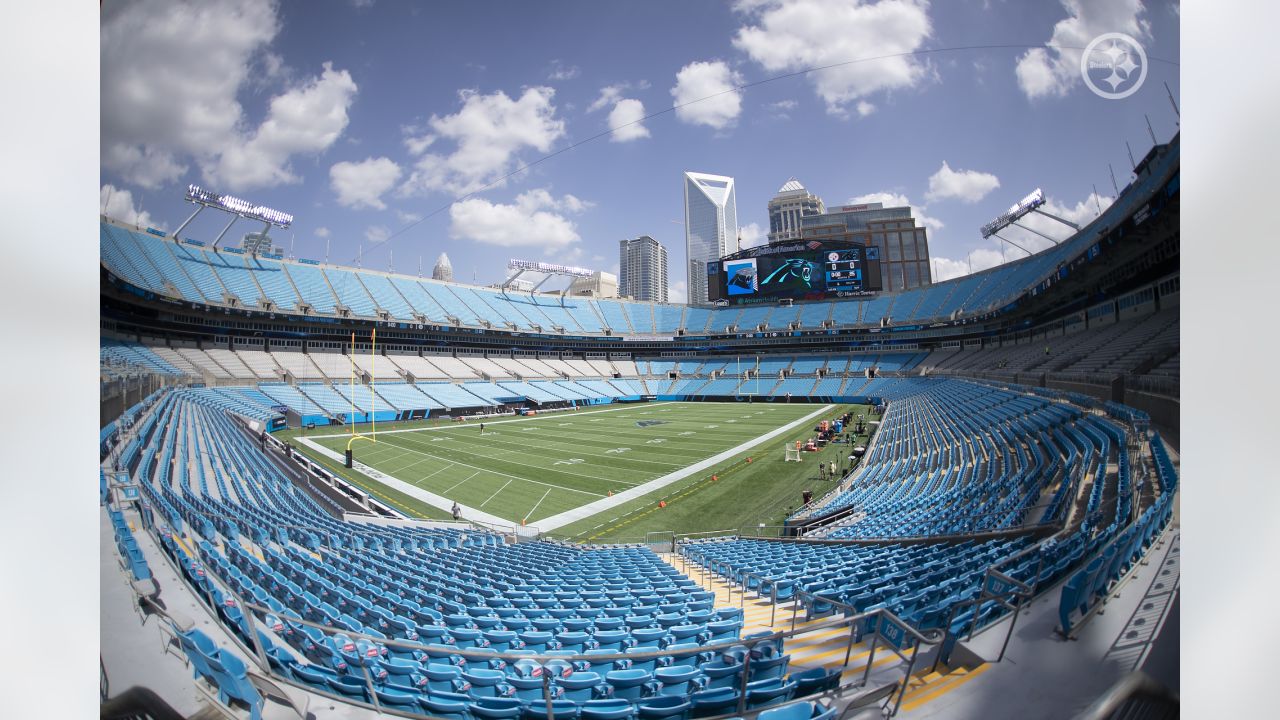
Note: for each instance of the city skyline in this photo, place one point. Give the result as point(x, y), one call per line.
point(329, 115)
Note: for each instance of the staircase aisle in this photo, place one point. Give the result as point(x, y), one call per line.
point(826, 648)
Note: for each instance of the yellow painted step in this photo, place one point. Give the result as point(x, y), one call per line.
point(950, 682)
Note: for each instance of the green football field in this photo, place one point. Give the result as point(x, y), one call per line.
point(527, 470)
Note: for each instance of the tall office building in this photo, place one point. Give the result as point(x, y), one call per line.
point(787, 207)
point(642, 269)
point(710, 228)
point(443, 270)
point(904, 246)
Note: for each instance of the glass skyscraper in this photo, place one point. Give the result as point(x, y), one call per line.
point(710, 227)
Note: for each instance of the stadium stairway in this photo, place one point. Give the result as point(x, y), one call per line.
point(826, 648)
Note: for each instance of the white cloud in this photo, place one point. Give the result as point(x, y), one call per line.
point(1053, 71)
point(117, 203)
point(376, 234)
point(531, 221)
point(782, 109)
point(171, 75)
point(864, 108)
point(752, 235)
point(996, 252)
point(609, 95)
point(968, 186)
point(624, 121)
point(488, 133)
point(560, 71)
point(304, 120)
point(981, 259)
point(407, 218)
point(678, 292)
point(361, 184)
point(890, 199)
point(705, 95)
point(322, 232)
point(794, 35)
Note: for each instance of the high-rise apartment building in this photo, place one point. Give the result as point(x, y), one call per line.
point(642, 269)
point(710, 228)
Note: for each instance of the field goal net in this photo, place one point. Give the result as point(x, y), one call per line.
point(791, 453)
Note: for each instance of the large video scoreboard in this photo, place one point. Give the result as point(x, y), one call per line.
point(796, 272)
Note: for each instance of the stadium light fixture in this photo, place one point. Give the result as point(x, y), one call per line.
point(237, 207)
point(1030, 204)
point(549, 269)
point(1015, 212)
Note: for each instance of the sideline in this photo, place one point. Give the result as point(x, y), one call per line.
point(413, 491)
point(584, 511)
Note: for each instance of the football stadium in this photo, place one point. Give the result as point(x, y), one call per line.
point(826, 485)
point(380, 494)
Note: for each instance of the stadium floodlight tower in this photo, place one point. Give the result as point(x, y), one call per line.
point(237, 207)
point(550, 269)
point(1027, 205)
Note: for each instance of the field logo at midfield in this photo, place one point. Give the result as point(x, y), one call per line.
point(570, 461)
point(650, 423)
point(1113, 65)
point(616, 451)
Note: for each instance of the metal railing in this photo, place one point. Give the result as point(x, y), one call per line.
point(899, 638)
point(252, 614)
point(746, 645)
point(1136, 695)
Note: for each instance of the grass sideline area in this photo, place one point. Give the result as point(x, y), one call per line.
point(525, 469)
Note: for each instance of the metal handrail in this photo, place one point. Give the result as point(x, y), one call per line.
point(920, 638)
point(852, 616)
point(1136, 684)
point(257, 652)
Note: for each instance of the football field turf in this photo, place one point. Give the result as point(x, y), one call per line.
point(527, 469)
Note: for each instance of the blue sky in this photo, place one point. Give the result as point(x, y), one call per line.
point(363, 118)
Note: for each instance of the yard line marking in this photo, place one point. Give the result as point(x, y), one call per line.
point(535, 505)
point(495, 492)
point(412, 464)
point(497, 472)
point(446, 492)
point(437, 501)
point(585, 511)
point(437, 472)
point(577, 448)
